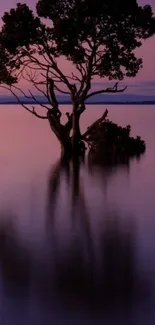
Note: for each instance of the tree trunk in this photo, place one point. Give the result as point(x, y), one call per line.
point(71, 146)
point(76, 131)
point(66, 149)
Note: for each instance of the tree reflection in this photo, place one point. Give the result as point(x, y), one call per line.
point(93, 268)
point(15, 259)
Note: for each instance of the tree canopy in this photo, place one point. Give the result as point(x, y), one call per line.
point(98, 37)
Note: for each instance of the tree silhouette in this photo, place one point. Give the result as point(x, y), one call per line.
point(98, 38)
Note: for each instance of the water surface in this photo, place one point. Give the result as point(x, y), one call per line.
point(77, 243)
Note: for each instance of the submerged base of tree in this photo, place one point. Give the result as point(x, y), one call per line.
point(111, 143)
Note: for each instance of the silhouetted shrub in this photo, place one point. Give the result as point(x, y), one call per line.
point(110, 142)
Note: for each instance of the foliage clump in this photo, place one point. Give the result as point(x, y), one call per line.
point(113, 143)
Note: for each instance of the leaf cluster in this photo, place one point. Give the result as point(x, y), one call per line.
point(98, 37)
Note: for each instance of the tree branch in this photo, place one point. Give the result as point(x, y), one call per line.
point(81, 109)
point(69, 123)
point(36, 84)
point(55, 67)
point(91, 127)
point(53, 75)
point(51, 91)
point(60, 90)
point(75, 78)
point(40, 90)
point(88, 74)
point(20, 102)
point(108, 90)
point(81, 69)
point(37, 101)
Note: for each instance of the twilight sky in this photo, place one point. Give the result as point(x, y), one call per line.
point(144, 83)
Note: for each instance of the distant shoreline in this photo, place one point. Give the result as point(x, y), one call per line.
point(87, 103)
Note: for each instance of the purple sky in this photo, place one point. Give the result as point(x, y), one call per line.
point(144, 83)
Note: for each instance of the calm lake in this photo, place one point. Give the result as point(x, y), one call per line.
point(77, 243)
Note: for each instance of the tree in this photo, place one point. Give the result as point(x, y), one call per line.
point(98, 37)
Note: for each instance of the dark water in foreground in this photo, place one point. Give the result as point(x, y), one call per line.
point(77, 243)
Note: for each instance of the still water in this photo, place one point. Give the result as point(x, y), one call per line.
point(77, 243)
